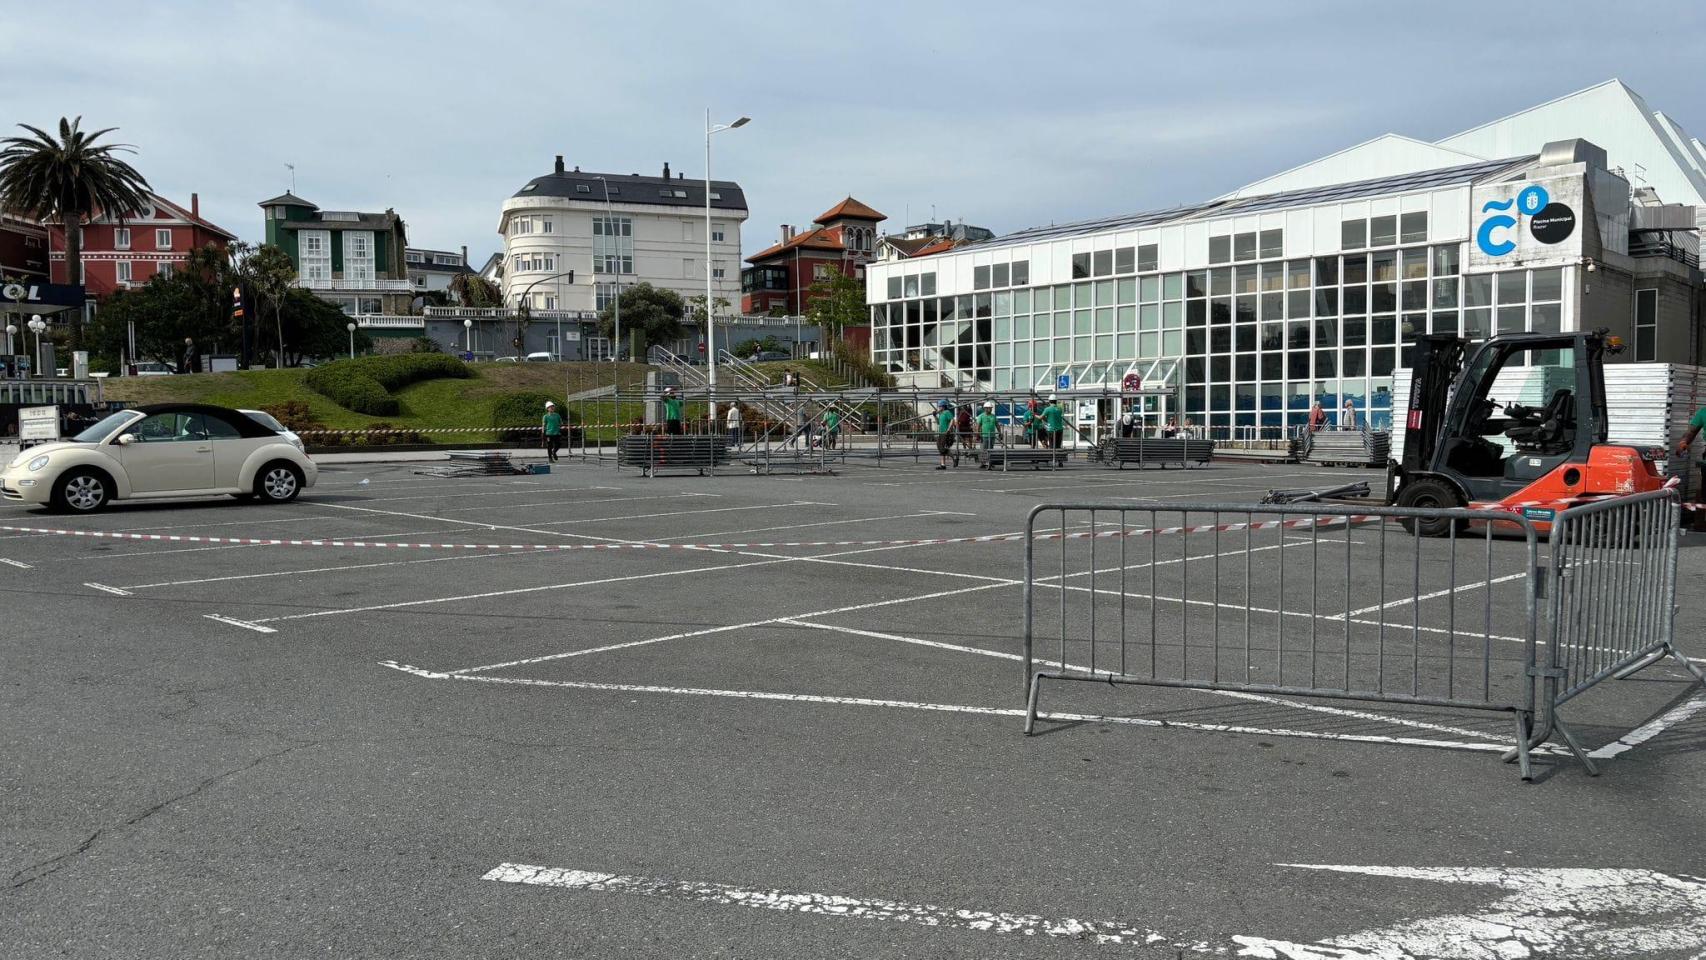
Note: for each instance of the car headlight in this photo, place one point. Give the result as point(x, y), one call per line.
point(37, 463)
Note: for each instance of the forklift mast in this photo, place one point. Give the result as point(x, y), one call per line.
point(1436, 361)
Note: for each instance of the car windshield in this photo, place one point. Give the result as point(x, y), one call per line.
point(265, 419)
point(103, 429)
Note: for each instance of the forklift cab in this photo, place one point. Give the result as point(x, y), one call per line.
point(1502, 435)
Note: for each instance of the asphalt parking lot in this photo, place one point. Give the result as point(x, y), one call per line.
point(766, 717)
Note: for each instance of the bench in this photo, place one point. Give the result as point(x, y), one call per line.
point(652, 452)
point(1003, 458)
point(1118, 452)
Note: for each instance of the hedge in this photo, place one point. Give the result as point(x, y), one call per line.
point(364, 384)
point(524, 409)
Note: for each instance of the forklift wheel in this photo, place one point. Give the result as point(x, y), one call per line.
point(1428, 494)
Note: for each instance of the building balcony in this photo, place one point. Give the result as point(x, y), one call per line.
point(376, 285)
point(377, 321)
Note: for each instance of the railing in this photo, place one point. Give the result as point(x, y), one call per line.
point(366, 321)
point(1660, 245)
point(505, 313)
point(343, 284)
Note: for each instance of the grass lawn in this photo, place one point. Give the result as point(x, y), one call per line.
point(432, 403)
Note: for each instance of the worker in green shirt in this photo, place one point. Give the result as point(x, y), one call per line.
point(945, 435)
point(831, 429)
point(987, 429)
point(671, 411)
point(552, 427)
point(1696, 424)
point(1054, 421)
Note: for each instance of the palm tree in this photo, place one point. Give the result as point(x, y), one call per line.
point(69, 179)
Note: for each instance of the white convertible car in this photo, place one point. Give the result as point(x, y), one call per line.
point(160, 451)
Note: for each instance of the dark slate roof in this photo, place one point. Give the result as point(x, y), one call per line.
point(363, 221)
point(415, 267)
point(287, 199)
point(627, 188)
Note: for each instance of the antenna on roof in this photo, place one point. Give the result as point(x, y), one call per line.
point(292, 167)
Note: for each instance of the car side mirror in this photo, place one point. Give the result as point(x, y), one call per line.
point(126, 439)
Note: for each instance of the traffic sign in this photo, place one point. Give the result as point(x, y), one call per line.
point(1132, 383)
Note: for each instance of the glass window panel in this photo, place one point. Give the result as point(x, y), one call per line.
point(1273, 335)
point(1478, 290)
point(1172, 286)
point(1413, 326)
point(1105, 320)
point(1244, 246)
point(1445, 292)
point(1062, 324)
point(1272, 304)
point(1383, 297)
point(1148, 345)
point(1003, 354)
point(1196, 341)
point(1353, 234)
point(1383, 267)
point(1355, 363)
point(1196, 283)
point(1297, 303)
point(1220, 281)
point(1273, 368)
point(912, 283)
point(1326, 271)
point(1196, 313)
point(1244, 279)
point(1172, 315)
point(1125, 260)
point(1381, 361)
point(999, 275)
point(1149, 290)
point(1273, 276)
point(1080, 266)
point(979, 281)
point(1170, 343)
point(1548, 284)
point(1271, 243)
point(1244, 309)
point(1220, 339)
point(1021, 328)
point(1021, 301)
point(1022, 353)
point(1125, 346)
point(1326, 302)
point(1413, 227)
point(1244, 338)
point(1081, 321)
point(1149, 317)
point(1382, 231)
point(1062, 351)
point(1355, 299)
point(1043, 300)
point(1103, 263)
point(1003, 328)
point(1297, 274)
point(1126, 292)
point(1126, 318)
point(1477, 323)
point(1356, 331)
point(1003, 304)
point(1104, 293)
point(1383, 329)
point(1355, 270)
point(1219, 249)
point(1220, 311)
point(1104, 348)
point(1444, 321)
point(1297, 365)
point(1326, 363)
point(1021, 272)
point(1080, 296)
point(1513, 287)
point(1445, 261)
point(1546, 317)
point(1511, 319)
point(894, 288)
point(1413, 264)
point(981, 304)
point(1415, 293)
point(1147, 257)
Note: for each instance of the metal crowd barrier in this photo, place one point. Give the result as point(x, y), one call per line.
point(1275, 599)
point(1612, 599)
point(654, 452)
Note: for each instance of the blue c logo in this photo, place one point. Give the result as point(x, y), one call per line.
point(1529, 202)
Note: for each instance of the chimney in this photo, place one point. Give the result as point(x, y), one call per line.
point(464, 254)
point(195, 205)
point(559, 163)
point(666, 169)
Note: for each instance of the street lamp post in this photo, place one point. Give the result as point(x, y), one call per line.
point(609, 222)
point(351, 328)
point(468, 333)
point(37, 325)
point(710, 328)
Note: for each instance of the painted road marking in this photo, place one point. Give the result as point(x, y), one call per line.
point(1108, 932)
point(672, 513)
point(798, 526)
point(960, 708)
point(1650, 729)
point(233, 621)
point(1547, 913)
point(15, 563)
point(577, 503)
point(299, 572)
point(112, 590)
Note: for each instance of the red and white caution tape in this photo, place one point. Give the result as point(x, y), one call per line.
point(766, 545)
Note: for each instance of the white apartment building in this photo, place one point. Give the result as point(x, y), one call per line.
point(618, 230)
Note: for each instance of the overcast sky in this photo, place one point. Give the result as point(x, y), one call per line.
point(1006, 115)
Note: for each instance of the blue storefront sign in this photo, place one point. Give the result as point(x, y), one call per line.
point(1064, 381)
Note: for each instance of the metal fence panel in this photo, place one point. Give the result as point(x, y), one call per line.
point(1315, 600)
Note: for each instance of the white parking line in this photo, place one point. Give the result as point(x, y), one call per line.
point(672, 513)
point(1650, 729)
point(1431, 596)
point(579, 503)
point(300, 572)
point(796, 526)
point(15, 563)
point(485, 493)
point(233, 621)
point(115, 591)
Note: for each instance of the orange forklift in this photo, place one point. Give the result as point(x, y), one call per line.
point(1556, 455)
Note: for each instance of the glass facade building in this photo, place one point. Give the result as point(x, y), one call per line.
point(1250, 310)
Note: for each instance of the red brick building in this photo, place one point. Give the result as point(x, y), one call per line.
point(840, 242)
point(119, 256)
point(23, 248)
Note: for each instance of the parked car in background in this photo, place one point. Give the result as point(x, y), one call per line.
point(540, 357)
point(504, 360)
point(160, 451)
point(269, 421)
point(154, 368)
point(765, 355)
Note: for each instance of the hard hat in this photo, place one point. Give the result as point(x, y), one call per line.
point(1051, 396)
point(989, 404)
point(549, 404)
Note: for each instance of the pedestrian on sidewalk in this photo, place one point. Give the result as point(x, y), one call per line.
point(671, 411)
point(734, 424)
point(551, 426)
point(945, 435)
point(1349, 417)
point(987, 428)
point(965, 426)
point(1695, 425)
point(1033, 418)
point(1317, 416)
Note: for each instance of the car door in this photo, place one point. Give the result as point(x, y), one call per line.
point(169, 452)
point(230, 449)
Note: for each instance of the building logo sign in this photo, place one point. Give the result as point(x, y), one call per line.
point(1536, 225)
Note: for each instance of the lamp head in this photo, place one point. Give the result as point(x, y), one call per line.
point(743, 121)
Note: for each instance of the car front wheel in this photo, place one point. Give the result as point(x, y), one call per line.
point(278, 482)
point(81, 491)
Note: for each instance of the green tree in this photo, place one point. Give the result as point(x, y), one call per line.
point(696, 308)
point(472, 290)
point(312, 327)
point(70, 179)
point(270, 274)
point(837, 303)
point(653, 312)
point(193, 301)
